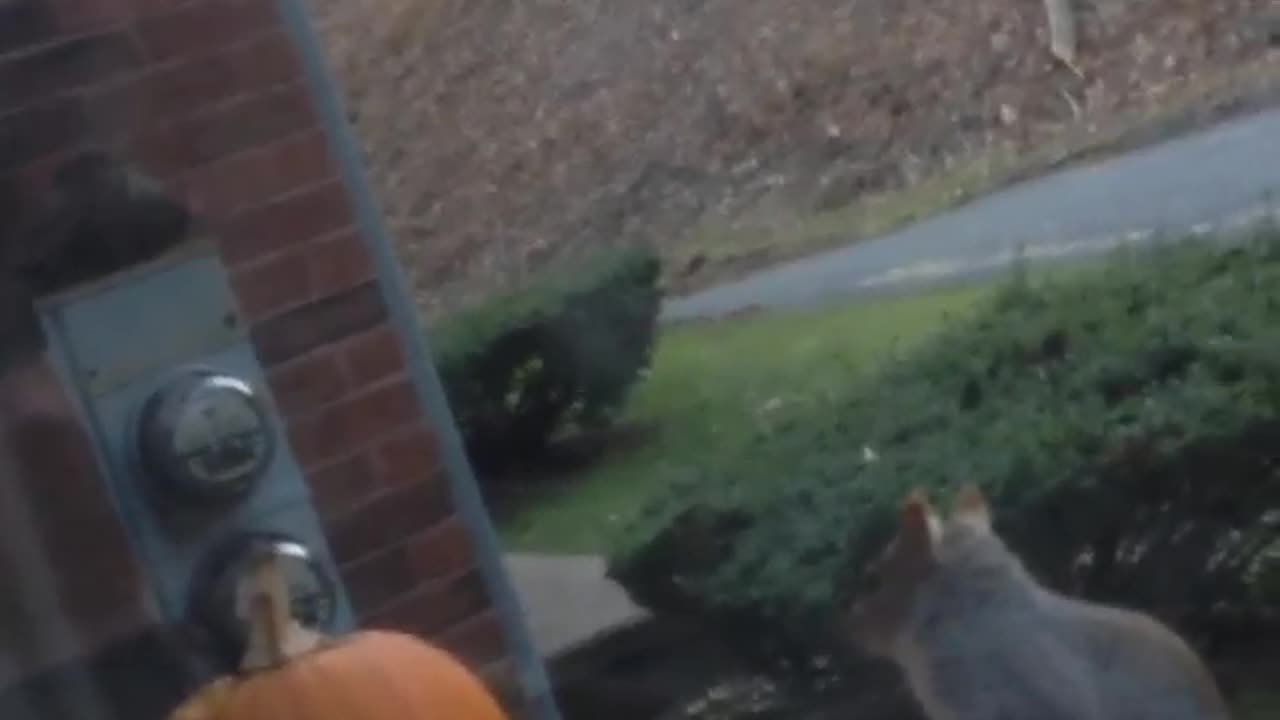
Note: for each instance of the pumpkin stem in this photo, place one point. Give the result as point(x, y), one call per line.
point(275, 636)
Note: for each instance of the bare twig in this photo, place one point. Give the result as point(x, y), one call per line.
point(1076, 111)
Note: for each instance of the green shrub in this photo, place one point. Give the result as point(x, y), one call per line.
point(560, 353)
point(1130, 415)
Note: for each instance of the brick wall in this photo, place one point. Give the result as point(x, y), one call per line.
point(207, 95)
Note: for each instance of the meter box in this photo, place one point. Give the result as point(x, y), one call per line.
point(162, 367)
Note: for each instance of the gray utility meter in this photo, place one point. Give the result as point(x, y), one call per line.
point(204, 437)
point(221, 607)
point(174, 400)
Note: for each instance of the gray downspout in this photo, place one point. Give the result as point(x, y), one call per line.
point(422, 370)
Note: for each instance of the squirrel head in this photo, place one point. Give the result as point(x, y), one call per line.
point(890, 584)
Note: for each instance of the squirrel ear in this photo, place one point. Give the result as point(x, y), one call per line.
point(918, 525)
point(970, 506)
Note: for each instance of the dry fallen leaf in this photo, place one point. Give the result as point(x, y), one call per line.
point(489, 125)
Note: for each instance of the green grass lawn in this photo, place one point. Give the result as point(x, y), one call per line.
point(711, 385)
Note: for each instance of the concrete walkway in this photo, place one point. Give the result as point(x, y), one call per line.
point(1224, 174)
point(567, 599)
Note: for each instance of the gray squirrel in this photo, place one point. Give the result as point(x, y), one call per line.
point(978, 638)
point(100, 214)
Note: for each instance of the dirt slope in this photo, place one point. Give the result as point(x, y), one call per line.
point(503, 135)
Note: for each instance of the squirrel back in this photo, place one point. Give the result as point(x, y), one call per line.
point(979, 639)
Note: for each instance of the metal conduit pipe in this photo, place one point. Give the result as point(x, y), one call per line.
point(422, 371)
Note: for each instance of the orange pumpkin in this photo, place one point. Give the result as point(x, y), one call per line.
point(291, 673)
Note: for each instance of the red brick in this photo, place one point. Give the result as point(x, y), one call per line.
point(376, 581)
point(24, 25)
point(121, 107)
point(77, 531)
point(272, 285)
point(66, 499)
point(153, 7)
point(268, 61)
point(382, 410)
point(261, 175)
point(478, 641)
point(308, 383)
point(339, 262)
point(186, 87)
point(31, 388)
point(339, 487)
point(387, 520)
point(199, 27)
point(174, 91)
point(79, 15)
point(409, 456)
point(65, 66)
point(39, 173)
point(353, 423)
point(234, 126)
point(435, 607)
point(288, 335)
point(441, 551)
point(291, 220)
point(27, 186)
point(372, 356)
point(164, 154)
point(41, 130)
point(39, 420)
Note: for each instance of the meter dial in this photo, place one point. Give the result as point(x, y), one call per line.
point(223, 607)
point(205, 437)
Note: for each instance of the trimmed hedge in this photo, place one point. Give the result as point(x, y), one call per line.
point(1129, 416)
point(562, 353)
